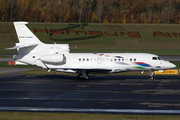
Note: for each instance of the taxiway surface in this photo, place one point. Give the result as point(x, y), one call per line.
point(101, 94)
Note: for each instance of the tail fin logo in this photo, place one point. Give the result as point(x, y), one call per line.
point(25, 37)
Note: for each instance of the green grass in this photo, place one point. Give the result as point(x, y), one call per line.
point(147, 43)
point(79, 116)
point(4, 51)
point(5, 65)
point(177, 63)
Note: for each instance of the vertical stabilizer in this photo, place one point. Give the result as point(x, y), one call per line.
point(24, 34)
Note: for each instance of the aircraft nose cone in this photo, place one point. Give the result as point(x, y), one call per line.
point(168, 65)
point(171, 65)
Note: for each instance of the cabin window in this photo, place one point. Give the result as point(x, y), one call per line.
point(107, 59)
point(134, 60)
point(83, 59)
point(123, 59)
point(119, 59)
point(111, 59)
point(115, 60)
point(131, 59)
point(87, 59)
point(79, 59)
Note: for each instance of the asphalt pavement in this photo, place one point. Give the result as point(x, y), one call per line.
point(122, 94)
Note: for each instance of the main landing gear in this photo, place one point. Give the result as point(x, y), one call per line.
point(151, 75)
point(83, 75)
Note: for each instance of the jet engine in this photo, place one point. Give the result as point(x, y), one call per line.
point(53, 58)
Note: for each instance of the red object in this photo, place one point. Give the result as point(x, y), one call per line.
point(11, 62)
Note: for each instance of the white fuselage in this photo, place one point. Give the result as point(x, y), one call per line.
point(96, 62)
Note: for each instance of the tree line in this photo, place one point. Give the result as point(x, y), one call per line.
point(91, 11)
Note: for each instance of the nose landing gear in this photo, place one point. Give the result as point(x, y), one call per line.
point(151, 75)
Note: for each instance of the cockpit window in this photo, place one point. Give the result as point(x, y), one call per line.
point(159, 58)
point(154, 58)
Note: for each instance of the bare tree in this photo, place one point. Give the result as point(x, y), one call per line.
point(99, 9)
point(80, 6)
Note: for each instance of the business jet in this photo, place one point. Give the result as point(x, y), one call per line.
point(57, 57)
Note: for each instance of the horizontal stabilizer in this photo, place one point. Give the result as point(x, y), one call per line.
point(22, 46)
point(15, 47)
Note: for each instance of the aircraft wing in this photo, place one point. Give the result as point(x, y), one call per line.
point(79, 70)
point(92, 69)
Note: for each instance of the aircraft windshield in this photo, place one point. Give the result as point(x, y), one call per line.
point(156, 58)
point(159, 58)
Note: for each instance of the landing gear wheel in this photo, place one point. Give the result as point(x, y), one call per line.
point(152, 79)
point(80, 77)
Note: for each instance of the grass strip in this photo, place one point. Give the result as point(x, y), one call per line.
point(80, 116)
point(5, 65)
point(4, 51)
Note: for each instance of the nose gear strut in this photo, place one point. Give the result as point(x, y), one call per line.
point(151, 74)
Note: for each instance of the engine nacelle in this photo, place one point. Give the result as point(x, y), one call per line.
point(53, 58)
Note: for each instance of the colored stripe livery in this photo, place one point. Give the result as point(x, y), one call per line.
point(143, 64)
